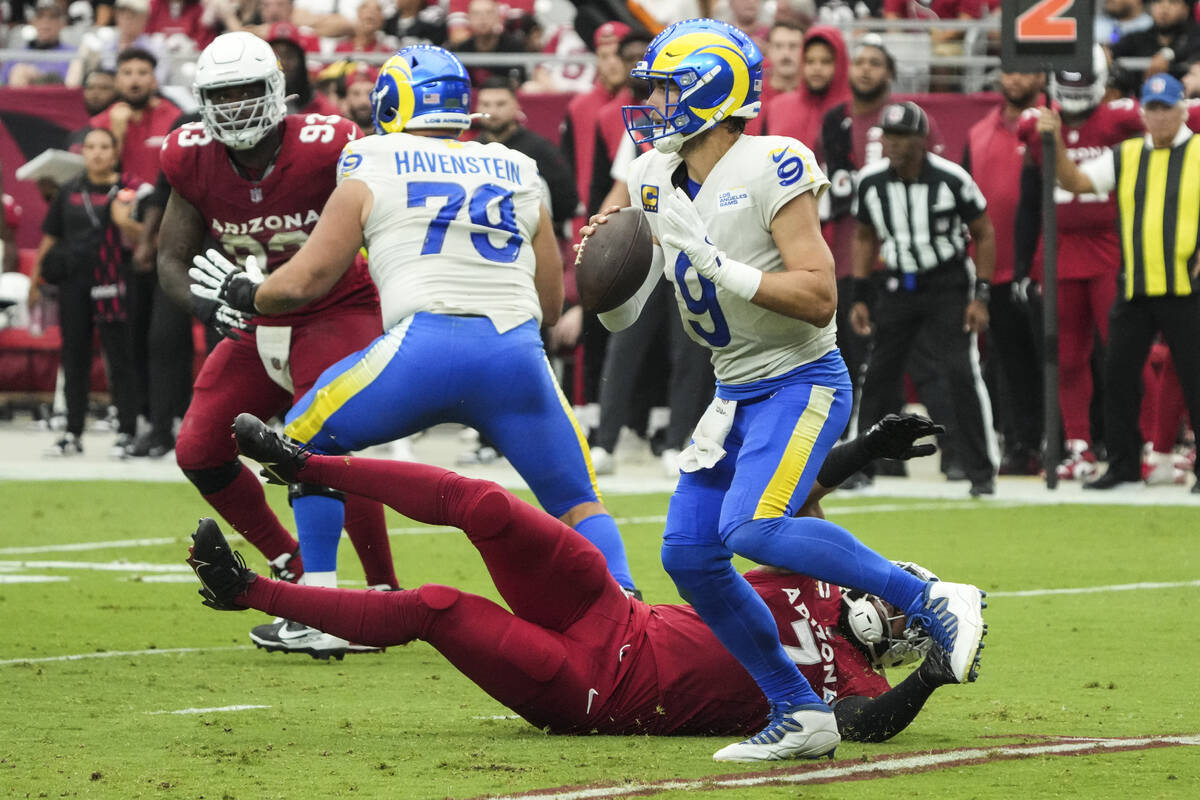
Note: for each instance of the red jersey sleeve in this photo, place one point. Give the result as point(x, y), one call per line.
point(180, 159)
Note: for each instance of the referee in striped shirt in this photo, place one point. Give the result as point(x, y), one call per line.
point(915, 205)
point(1157, 181)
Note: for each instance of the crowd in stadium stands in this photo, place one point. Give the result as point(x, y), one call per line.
point(825, 84)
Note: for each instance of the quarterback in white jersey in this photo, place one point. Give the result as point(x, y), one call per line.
point(738, 202)
point(463, 252)
point(736, 229)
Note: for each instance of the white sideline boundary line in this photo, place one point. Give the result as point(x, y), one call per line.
point(416, 530)
point(120, 653)
point(1117, 587)
point(879, 768)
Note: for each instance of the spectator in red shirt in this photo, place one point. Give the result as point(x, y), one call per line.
point(180, 16)
point(356, 106)
point(489, 36)
point(140, 118)
point(781, 68)
point(944, 42)
point(825, 83)
point(368, 36)
point(747, 14)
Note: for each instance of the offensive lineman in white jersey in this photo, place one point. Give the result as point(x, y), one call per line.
point(734, 218)
point(463, 252)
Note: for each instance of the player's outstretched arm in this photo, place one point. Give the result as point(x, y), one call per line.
point(548, 273)
point(325, 256)
point(181, 237)
point(807, 287)
point(877, 719)
point(894, 436)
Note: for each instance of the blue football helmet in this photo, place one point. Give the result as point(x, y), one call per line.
point(709, 70)
point(421, 87)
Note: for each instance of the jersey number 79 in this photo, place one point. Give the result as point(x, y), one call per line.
point(419, 193)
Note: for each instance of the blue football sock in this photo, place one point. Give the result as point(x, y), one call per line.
point(601, 530)
point(740, 619)
point(827, 552)
point(319, 522)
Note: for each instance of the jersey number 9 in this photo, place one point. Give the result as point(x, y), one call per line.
point(703, 306)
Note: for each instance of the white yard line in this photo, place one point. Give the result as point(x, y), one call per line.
point(208, 710)
point(882, 767)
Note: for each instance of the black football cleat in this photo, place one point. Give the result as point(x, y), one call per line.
point(222, 572)
point(281, 460)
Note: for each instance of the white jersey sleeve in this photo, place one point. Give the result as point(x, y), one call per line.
point(738, 201)
point(451, 227)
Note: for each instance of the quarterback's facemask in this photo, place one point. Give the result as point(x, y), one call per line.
point(880, 628)
point(1080, 92)
point(240, 88)
point(707, 70)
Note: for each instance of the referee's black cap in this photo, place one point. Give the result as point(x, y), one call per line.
point(907, 118)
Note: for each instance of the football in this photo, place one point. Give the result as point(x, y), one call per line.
point(613, 262)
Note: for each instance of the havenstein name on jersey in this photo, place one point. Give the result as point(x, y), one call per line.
point(417, 161)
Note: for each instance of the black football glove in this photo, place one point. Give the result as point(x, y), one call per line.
point(228, 322)
point(893, 436)
point(214, 277)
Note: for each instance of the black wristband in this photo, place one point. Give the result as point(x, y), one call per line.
point(983, 290)
point(239, 291)
point(860, 290)
point(845, 459)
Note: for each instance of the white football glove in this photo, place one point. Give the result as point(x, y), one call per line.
point(214, 277)
point(681, 227)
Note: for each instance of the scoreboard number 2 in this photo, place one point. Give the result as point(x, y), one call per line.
point(1043, 22)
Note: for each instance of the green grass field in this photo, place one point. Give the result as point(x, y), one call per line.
point(1106, 663)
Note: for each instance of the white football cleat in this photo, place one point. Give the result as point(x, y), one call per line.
point(1079, 464)
point(952, 614)
point(603, 462)
point(808, 731)
point(1158, 469)
point(285, 636)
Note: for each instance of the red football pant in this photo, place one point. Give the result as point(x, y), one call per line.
point(542, 660)
point(233, 381)
point(1163, 405)
point(1083, 307)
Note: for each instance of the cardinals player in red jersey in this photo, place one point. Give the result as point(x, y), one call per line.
point(576, 654)
point(253, 180)
point(1089, 252)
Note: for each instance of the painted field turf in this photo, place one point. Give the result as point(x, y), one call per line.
point(222, 720)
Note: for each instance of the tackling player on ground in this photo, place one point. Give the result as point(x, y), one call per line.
point(575, 654)
point(254, 179)
point(462, 249)
point(735, 218)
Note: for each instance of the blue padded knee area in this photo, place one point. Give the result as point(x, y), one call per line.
point(601, 530)
point(825, 551)
point(740, 619)
point(319, 520)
